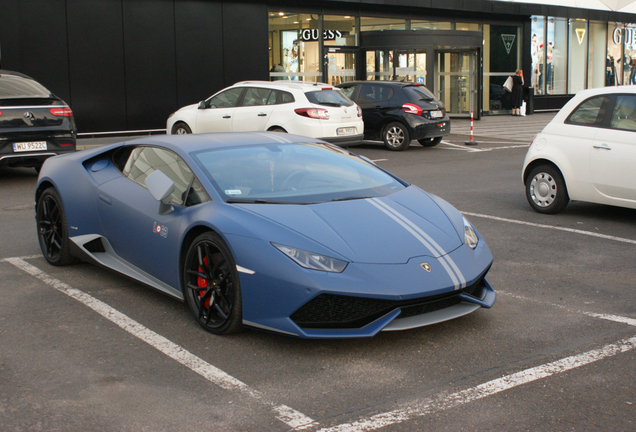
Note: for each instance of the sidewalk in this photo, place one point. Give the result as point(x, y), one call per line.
point(503, 127)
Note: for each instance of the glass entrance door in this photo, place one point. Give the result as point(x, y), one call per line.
point(341, 66)
point(399, 65)
point(457, 80)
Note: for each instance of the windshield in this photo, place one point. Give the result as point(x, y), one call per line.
point(12, 86)
point(293, 174)
point(333, 97)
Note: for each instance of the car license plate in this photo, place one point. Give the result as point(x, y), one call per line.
point(346, 131)
point(436, 114)
point(29, 146)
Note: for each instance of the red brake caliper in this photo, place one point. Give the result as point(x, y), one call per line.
point(202, 283)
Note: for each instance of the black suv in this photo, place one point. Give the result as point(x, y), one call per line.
point(396, 112)
point(34, 123)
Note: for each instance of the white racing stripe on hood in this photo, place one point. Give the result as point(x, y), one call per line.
point(451, 268)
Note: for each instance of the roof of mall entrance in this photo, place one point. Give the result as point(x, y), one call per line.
point(627, 6)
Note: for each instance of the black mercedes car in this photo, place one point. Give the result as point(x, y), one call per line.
point(34, 123)
point(397, 112)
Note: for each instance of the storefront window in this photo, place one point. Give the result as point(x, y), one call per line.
point(294, 46)
point(502, 57)
point(340, 30)
point(556, 66)
point(379, 65)
point(629, 59)
point(597, 57)
point(614, 65)
point(468, 26)
point(537, 50)
point(370, 24)
point(577, 55)
point(429, 25)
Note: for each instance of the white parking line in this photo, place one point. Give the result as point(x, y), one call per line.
point(481, 391)
point(292, 418)
point(477, 150)
point(299, 421)
point(571, 230)
point(607, 317)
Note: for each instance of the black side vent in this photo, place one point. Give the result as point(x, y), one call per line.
point(95, 246)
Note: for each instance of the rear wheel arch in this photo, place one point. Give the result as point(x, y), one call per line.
point(276, 129)
point(532, 165)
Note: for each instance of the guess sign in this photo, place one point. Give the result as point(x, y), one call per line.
point(309, 35)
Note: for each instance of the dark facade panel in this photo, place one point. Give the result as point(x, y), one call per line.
point(149, 53)
point(35, 31)
point(199, 50)
point(96, 65)
point(245, 42)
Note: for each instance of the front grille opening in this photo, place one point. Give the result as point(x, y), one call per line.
point(332, 311)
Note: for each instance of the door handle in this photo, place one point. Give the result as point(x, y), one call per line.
point(262, 115)
point(602, 146)
point(227, 116)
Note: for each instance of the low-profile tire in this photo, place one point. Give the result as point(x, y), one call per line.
point(430, 142)
point(545, 190)
point(53, 229)
point(396, 137)
point(211, 285)
point(181, 129)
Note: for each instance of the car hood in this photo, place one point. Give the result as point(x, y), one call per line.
point(388, 230)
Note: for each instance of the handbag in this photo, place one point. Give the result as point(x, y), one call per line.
point(522, 110)
point(508, 85)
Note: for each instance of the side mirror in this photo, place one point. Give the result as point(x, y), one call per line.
point(202, 105)
point(161, 188)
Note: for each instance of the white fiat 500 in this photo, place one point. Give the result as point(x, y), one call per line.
point(315, 110)
point(586, 153)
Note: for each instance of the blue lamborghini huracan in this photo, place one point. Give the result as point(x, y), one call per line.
point(265, 230)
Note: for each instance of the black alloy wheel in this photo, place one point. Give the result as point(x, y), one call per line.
point(396, 137)
point(52, 229)
point(430, 142)
point(211, 285)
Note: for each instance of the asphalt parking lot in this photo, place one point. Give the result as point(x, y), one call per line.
point(85, 349)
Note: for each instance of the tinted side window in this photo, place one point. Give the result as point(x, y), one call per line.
point(256, 96)
point(590, 112)
point(374, 93)
point(226, 99)
point(143, 161)
point(348, 91)
point(284, 97)
point(624, 113)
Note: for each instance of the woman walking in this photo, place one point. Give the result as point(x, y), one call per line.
point(517, 92)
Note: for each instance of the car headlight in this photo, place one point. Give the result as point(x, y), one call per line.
point(313, 261)
point(470, 236)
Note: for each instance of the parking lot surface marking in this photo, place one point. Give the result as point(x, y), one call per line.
point(571, 230)
point(606, 317)
point(292, 418)
point(486, 389)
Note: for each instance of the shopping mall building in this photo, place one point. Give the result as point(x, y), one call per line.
point(125, 65)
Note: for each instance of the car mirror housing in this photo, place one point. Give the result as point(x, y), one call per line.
point(161, 188)
point(202, 105)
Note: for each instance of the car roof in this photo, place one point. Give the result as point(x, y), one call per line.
point(289, 85)
point(15, 74)
point(388, 82)
point(195, 142)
